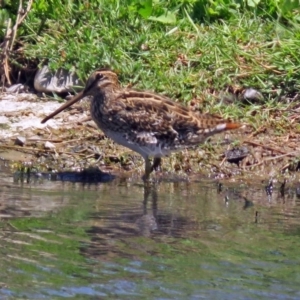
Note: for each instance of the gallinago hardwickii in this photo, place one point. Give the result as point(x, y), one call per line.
point(149, 124)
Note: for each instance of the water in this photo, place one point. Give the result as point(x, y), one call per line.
point(174, 240)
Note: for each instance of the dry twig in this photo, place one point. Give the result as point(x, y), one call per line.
point(6, 46)
point(294, 153)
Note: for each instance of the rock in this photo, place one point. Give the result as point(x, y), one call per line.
point(49, 145)
point(60, 81)
point(252, 95)
point(236, 154)
point(17, 88)
point(20, 141)
point(91, 124)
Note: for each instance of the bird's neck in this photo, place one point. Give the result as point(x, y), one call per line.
point(102, 101)
point(102, 93)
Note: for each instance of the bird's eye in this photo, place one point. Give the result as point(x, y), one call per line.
point(99, 76)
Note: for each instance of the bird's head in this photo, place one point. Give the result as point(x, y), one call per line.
point(96, 83)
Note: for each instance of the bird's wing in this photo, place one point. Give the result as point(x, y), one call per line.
point(145, 113)
point(149, 118)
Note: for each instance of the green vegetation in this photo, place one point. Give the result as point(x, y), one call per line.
point(185, 48)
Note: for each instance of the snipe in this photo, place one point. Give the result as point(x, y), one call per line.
point(149, 124)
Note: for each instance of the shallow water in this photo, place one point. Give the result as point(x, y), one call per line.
point(172, 240)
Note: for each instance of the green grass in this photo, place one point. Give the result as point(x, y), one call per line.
point(188, 50)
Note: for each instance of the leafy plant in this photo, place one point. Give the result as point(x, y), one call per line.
point(182, 47)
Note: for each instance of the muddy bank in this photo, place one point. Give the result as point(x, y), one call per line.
point(71, 141)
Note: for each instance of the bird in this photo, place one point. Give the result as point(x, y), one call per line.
point(146, 122)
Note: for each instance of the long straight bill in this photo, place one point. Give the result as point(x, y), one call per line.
point(64, 106)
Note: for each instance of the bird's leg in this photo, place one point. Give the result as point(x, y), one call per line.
point(148, 169)
point(156, 163)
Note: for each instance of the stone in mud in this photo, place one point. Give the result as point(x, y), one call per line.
point(60, 81)
point(17, 88)
point(235, 155)
point(252, 95)
point(49, 145)
point(20, 141)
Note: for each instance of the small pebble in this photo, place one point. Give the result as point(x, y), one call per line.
point(236, 154)
point(17, 88)
point(252, 95)
point(20, 141)
point(49, 145)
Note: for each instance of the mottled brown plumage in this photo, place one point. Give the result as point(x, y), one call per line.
point(145, 122)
